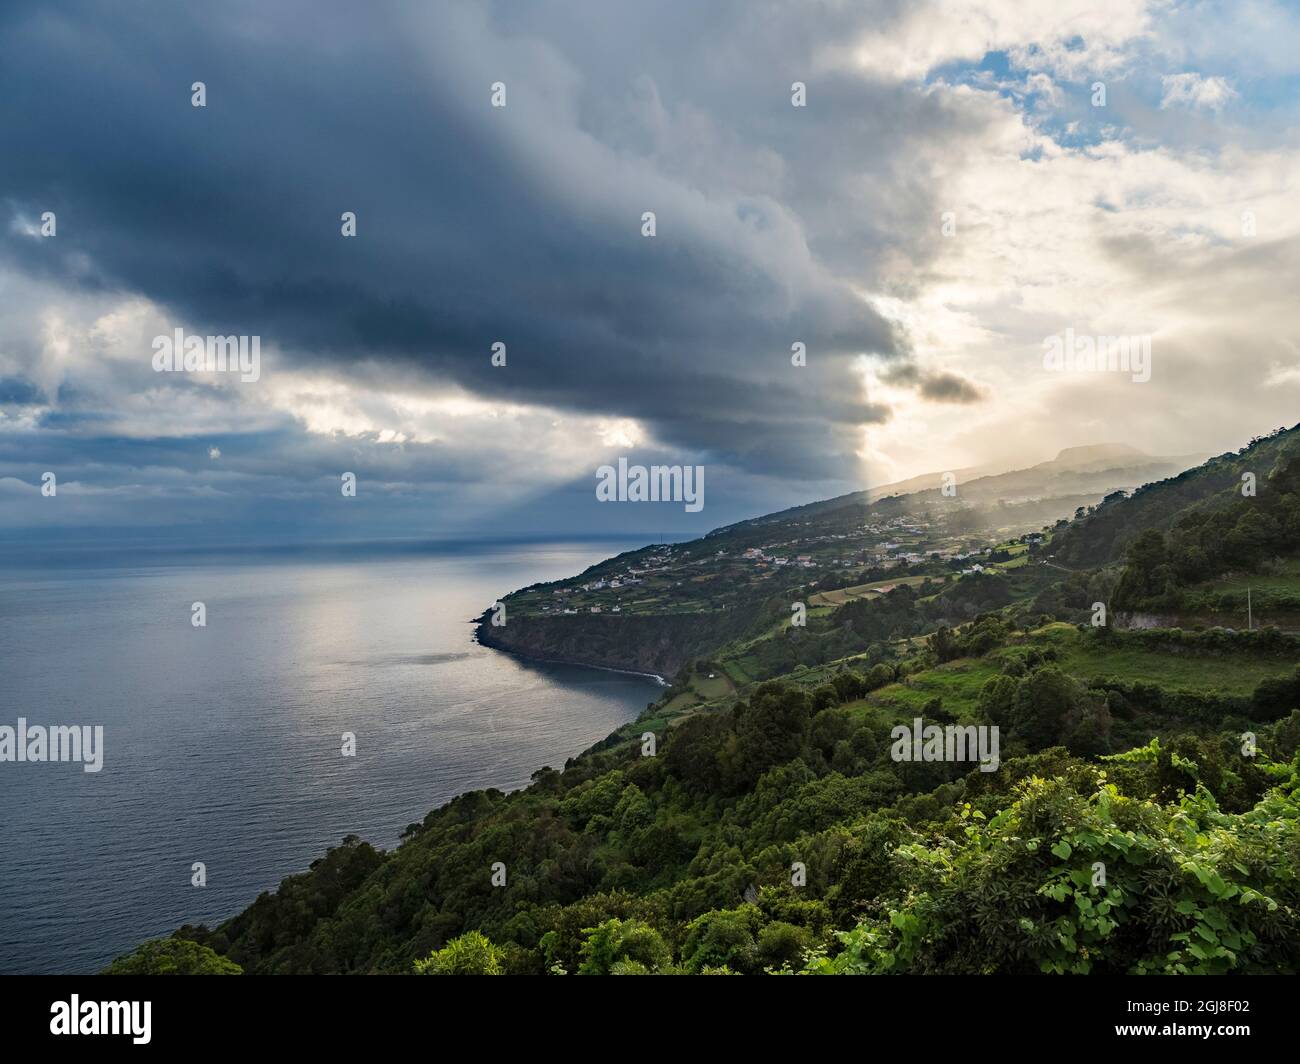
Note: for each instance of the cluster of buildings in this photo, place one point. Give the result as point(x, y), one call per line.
point(658, 562)
point(627, 580)
point(760, 555)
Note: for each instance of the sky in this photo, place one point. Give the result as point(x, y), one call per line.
point(921, 194)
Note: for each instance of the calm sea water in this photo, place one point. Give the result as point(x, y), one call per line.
point(222, 744)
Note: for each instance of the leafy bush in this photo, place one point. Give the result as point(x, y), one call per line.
point(471, 954)
point(1067, 880)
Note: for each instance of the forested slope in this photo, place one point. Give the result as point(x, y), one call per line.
point(1143, 814)
point(1103, 535)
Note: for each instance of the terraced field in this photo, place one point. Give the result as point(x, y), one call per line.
point(842, 595)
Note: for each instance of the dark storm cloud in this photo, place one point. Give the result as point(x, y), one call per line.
point(939, 386)
point(950, 388)
point(477, 224)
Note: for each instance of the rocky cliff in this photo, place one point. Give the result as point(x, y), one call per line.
point(652, 643)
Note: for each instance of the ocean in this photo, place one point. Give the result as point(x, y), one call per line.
point(222, 744)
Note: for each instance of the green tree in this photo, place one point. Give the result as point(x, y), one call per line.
point(944, 645)
point(1044, 700)
point(173, 956)
point(724, 938)
point(630, 943)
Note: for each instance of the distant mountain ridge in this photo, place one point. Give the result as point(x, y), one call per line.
point(1091, 469)
point(1093, 458)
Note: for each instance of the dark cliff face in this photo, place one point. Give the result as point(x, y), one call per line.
point(659, 644)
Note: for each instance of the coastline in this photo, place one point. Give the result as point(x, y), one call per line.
point(663, 681)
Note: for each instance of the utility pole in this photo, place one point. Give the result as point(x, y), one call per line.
point(1250, 616)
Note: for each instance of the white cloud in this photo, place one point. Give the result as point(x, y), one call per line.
point(1110, 238)
point(1070, 38)
point(1194, 90)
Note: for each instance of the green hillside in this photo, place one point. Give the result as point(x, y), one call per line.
point(1106, 531)
point(1137, 812)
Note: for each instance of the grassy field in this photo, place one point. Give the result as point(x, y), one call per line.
point(1187, 672)
point(845, 594)
point(1019, 557)
point(1286, 578)
point(711, 685)
point(1274, 598)
point(1238, 674)
point(957, 684)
